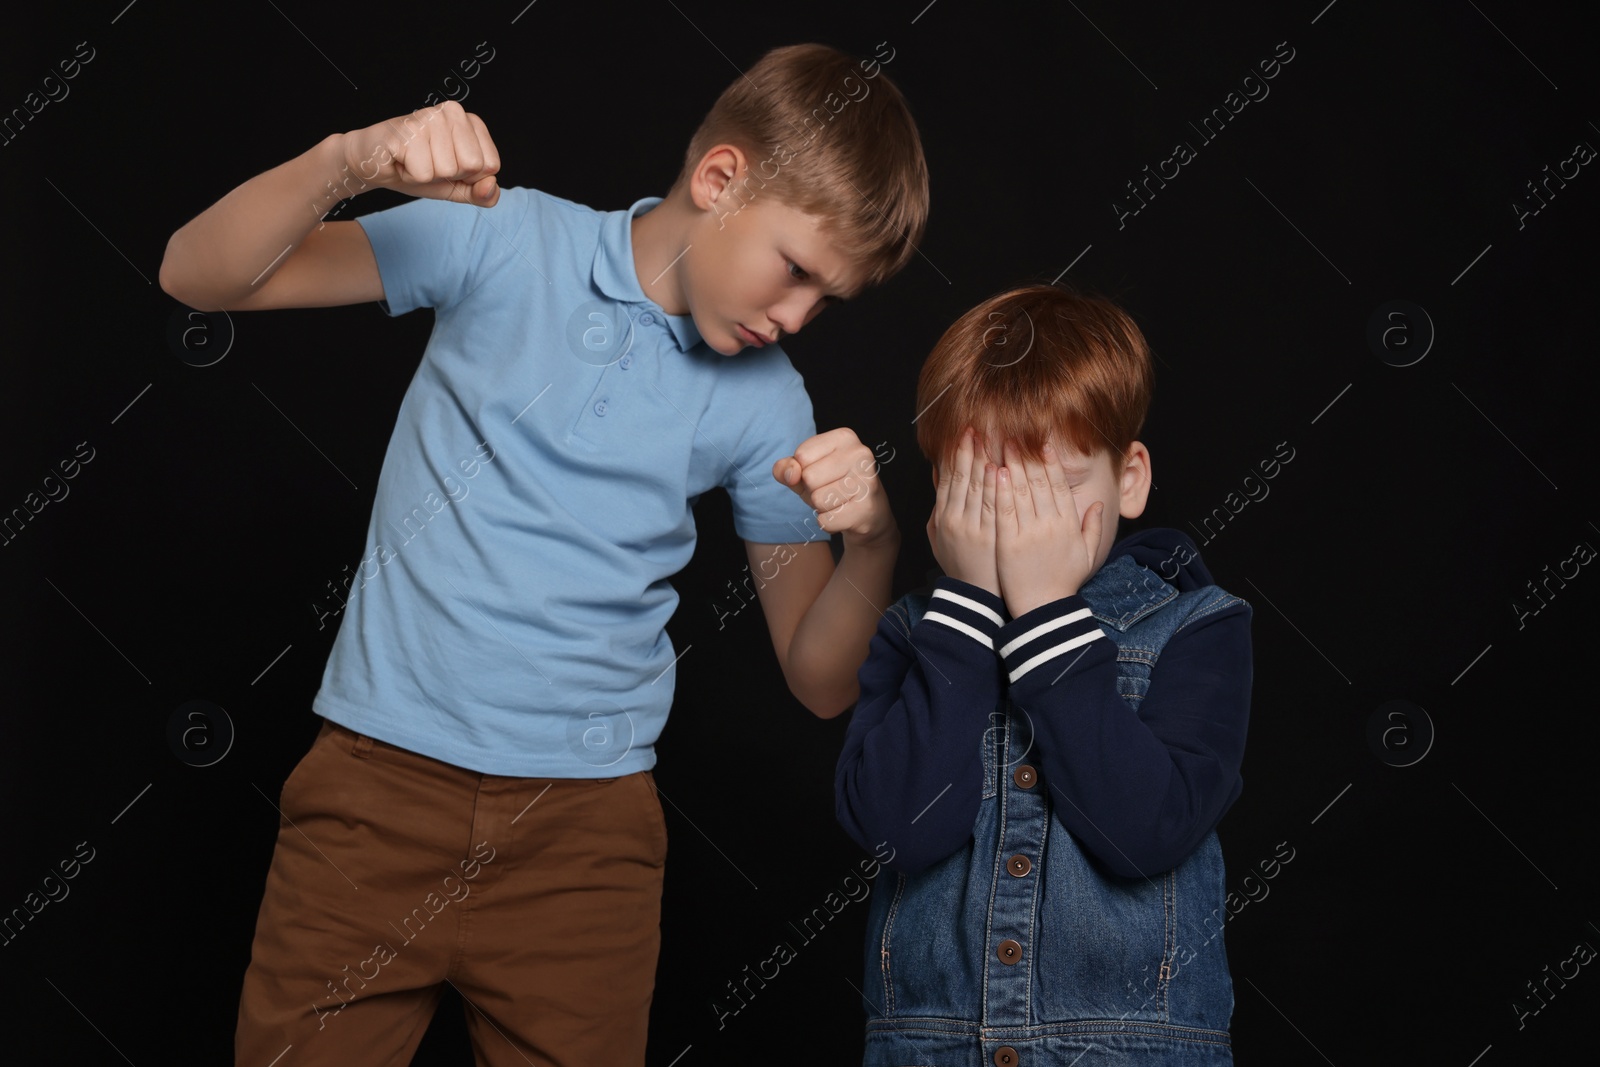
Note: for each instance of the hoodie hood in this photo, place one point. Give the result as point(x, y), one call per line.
point(1170, 553)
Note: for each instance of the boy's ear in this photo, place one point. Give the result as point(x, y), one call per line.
point(713, 174)
point(1136, 480)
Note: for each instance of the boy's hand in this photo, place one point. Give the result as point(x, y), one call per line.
point(835, 474)
point(1043, 552)
point(442, 153)
point(961, 529)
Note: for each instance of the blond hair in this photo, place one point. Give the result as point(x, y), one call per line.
point(831, 137)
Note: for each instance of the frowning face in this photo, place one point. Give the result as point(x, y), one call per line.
point(760, 272)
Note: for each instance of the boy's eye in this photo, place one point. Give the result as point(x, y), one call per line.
point(799, 274)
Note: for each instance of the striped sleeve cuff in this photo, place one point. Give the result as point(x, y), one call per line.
point(1046, 634)
point(964, 607)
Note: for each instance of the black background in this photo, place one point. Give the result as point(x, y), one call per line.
point(1384, 564)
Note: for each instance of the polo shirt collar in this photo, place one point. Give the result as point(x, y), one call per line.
point(615, 276)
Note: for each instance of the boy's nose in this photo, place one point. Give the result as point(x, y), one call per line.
point(790, 315)
point(784, 321)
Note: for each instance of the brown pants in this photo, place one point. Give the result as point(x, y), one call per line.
point(538, 899)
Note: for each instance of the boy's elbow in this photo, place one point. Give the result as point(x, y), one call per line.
point(170, 276)
point(1139, 865)
point(1147, 858)
point(824, 703)
point(913, 861)
point(179, 280)
point(176, 286)
point(165, 278)
point(830, 709)
point(912, 854)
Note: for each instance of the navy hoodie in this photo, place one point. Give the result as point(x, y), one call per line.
point(1139, 790)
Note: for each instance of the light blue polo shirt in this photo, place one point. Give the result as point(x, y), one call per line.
point(509, 611)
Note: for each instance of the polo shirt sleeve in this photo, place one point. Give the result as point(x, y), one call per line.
point(426, 251)
point(764, 510)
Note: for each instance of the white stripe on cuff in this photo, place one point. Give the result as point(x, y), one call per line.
point(956, 624)
point(1044, 628)
point(1052, 653)
point(969, 603)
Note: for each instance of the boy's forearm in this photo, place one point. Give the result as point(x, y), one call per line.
point(217, 257)
point(830, 644)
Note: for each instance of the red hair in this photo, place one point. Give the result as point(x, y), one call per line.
point(1037, 363)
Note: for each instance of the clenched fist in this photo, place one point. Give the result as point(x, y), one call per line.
point(442, 153)
point(837, 476)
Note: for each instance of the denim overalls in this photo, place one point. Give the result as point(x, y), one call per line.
point(1020, 949)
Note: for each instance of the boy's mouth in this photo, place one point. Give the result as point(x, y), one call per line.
point(750, 336)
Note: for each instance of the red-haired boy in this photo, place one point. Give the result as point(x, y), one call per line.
point(1045, 744)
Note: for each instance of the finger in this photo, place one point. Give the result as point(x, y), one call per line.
point(491, 154)
point(820, 469)
point(445, 166)
point(1017, 476)
point(1005, 506)
point(946, 469)
point(974, 500)
point(1094, 528)
point(412, 157)
point(1060, 484)
point(464, 143)
point(1039, 488)
point(989, 500)
point(486, 191)
point(838, 504)
point(960, 472)
point(836, 494)
point(487, 187)
point(785, 470)
point(817, 447)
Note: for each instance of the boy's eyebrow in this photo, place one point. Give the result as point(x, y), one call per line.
point(837, 292)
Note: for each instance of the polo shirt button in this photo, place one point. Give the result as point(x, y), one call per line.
point(647, 319)
point(600, 408)
point(1019, 865)
point(1009, 951)
point(626, 361)
point(1006, 1056)
point(1025, 776)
